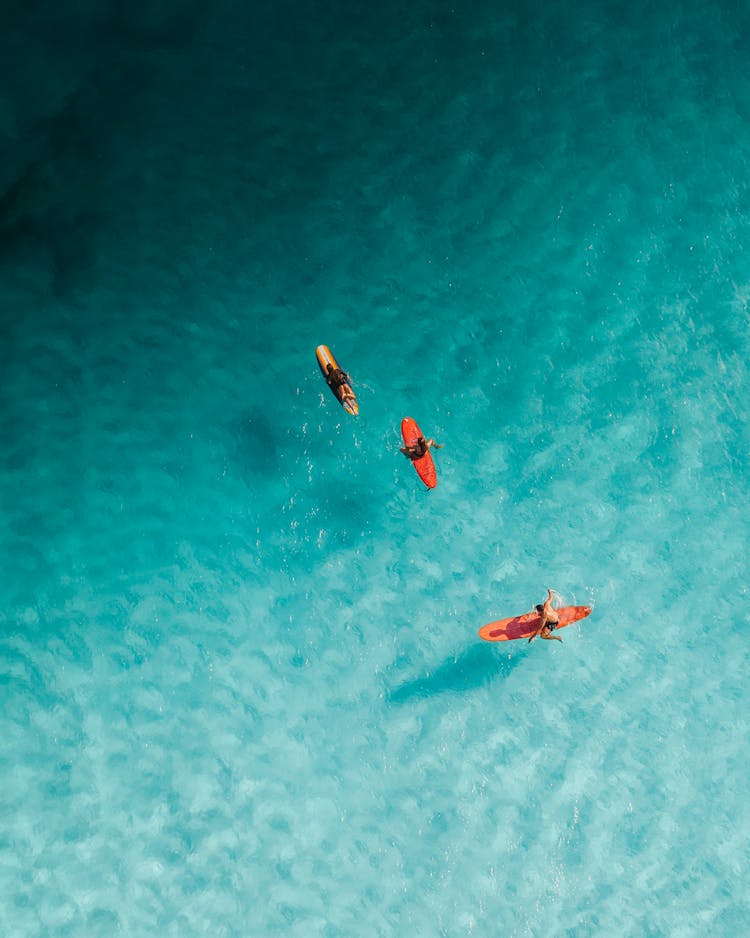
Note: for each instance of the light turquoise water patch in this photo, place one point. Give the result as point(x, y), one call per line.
point(243, 692)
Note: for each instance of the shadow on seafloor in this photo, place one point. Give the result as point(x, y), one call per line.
point(465, 671)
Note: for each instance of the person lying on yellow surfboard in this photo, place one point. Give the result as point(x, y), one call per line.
point(340, 383)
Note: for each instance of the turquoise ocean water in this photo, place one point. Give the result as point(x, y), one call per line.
point(242, 688)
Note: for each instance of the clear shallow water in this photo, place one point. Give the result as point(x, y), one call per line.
point(242, 687)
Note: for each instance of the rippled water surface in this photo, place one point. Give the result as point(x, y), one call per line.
point(242, 687)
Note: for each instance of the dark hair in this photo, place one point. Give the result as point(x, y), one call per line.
point(539, 607)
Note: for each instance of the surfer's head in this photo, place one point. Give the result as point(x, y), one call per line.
point(539, 608)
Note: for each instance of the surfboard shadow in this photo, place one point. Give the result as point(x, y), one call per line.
point(467, 671)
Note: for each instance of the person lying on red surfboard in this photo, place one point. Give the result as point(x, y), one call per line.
point(548, 621)
point(421, 447)
point(339, 382)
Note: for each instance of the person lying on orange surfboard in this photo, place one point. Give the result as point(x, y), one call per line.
point(549, 621)
point(339, 382)
point(421, 447)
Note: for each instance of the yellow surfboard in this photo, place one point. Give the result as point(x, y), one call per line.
point(344, 394)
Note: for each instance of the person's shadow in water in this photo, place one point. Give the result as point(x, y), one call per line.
point(477, 666)
point(259, 443)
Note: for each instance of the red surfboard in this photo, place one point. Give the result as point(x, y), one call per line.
point(507, 630)
point(424, 465)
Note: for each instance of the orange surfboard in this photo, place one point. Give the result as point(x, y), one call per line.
point(424, 465)
point(507, 630)
point(325, 358)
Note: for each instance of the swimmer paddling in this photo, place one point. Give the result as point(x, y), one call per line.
point(337, 379)
point(340, 383)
